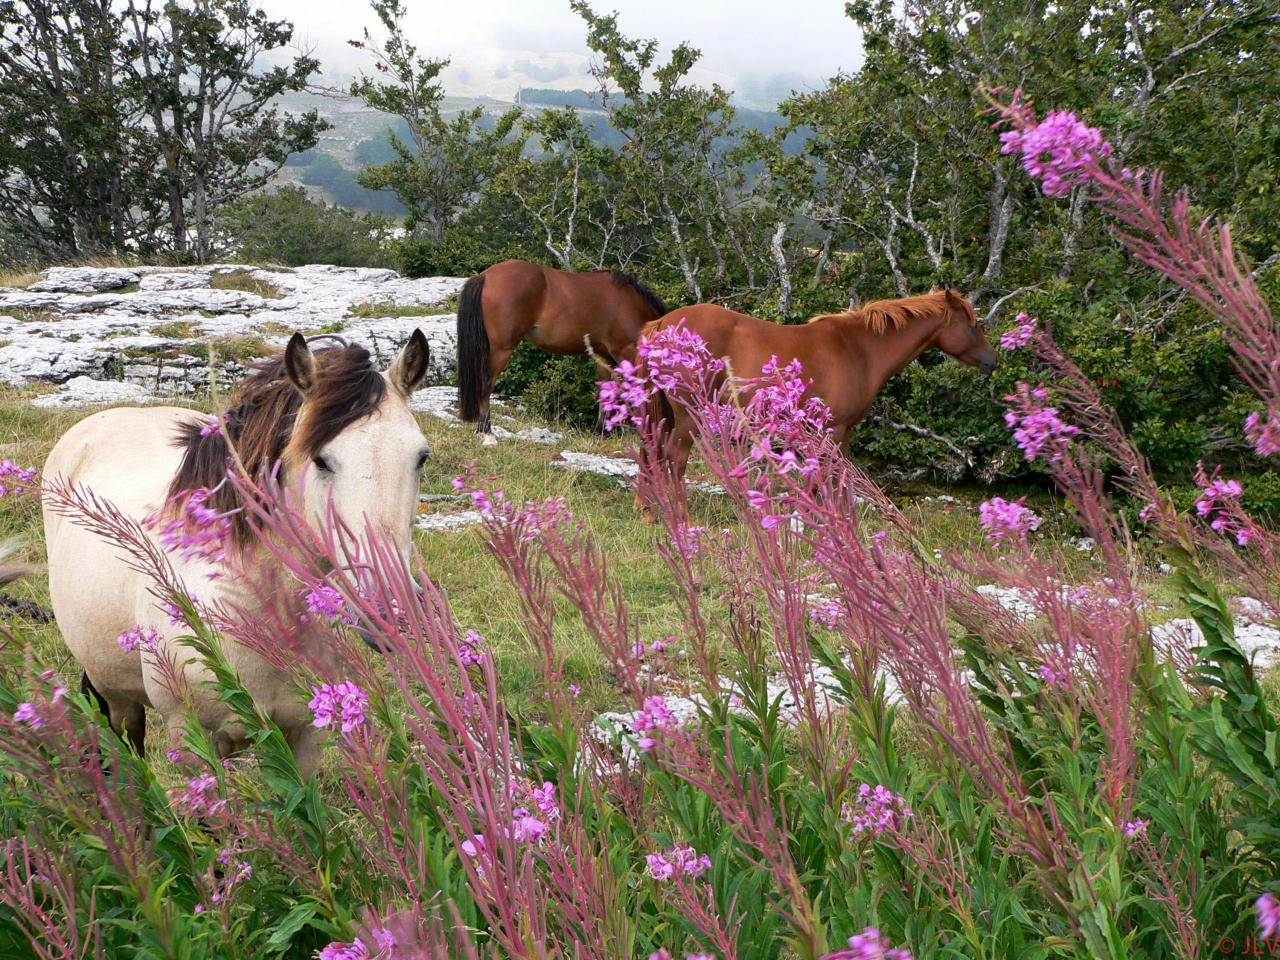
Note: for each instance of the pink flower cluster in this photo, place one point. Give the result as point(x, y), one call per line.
point(327, 602)
point(869, 945)
point(35, 716)
point(16, 480)
point(876, 809)
point(338, 703)
point(1213, 495)
point(199, 532)
point(200, 798)
point(780, 411)
point(678, 861)
point(1006, 521)
point(1020, 335)
point(211, 426)
point(1037, 428)
point(671, 358)
point(471, 649)
point(1054, 677)
point(665, 954)
point(1136, 827)
point(137, 637)
point(827, 613)
point(654, 718)
point(340, 950)
point(1059, 150)
point(1263, 434)
point(1268, 910)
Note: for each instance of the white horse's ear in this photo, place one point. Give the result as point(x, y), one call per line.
point(410, 367)
point(299, 364)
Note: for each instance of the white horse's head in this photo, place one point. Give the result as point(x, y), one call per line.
point(356, 449)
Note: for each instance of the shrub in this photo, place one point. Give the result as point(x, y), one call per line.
point(286, 226)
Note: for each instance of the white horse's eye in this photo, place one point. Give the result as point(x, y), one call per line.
point(322, 464)
point(423, 457)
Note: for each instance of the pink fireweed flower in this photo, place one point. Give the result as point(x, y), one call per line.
point(27, 713)
point(1263, 434)
point(1057, 151)
point(1037, 428)
point(672, 357)
point(1020, 335)
point(869, 945)
point(1135, 827)
point(525, 827)
point(338, 703)
point(546, 801)
point(16, 480)
point(574, 689)
point(474, 847)
point(659, 646)
point(327, 602)
point(137, 637)
point(200, 798)
point(1054, 677)
point(1007, 521)
point(198, 532)
point(211, 426)
point(827, 613)
point(876, 809)
point(1268, 910)
point(471, 649)
point(678, 861)
point(655, 717)
point(340, 950)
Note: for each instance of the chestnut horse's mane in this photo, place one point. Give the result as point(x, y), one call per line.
point(881, 315)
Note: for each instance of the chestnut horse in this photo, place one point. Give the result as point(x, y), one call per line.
point(601, 312)
point(847, 357)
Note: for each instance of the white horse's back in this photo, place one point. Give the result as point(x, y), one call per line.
point(127, 457)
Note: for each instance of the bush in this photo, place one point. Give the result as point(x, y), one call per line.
point(288, 227)
point(562, 389)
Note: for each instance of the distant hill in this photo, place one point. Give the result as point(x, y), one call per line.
point(359, 137)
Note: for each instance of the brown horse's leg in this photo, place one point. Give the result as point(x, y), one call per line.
point(497, 363)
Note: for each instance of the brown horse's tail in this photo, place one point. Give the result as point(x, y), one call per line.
point(473, 349)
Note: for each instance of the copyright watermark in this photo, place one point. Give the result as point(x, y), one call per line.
point(1251, 946)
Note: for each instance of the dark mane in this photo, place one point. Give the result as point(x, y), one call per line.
point(262, 420)
point(652, 299)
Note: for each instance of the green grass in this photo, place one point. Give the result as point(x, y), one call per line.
point(246, 281)
point(378, 310)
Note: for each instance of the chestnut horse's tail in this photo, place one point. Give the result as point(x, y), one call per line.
point(473, 349)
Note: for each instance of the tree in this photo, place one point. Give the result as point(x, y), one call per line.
point(212, 112)
point(286, 226)
point(74, 162)
point(446, 163)
point(124, 126)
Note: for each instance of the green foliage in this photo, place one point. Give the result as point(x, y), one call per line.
point(286, 226)
point(125, 127)
point(560, 389)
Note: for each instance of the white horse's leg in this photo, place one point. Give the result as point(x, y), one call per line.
point(306, 742)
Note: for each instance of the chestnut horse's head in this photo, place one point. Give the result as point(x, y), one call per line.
point(962, 335)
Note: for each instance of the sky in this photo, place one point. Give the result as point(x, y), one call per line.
point(760, 49)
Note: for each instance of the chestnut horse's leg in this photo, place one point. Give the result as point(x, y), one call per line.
point(497, 363)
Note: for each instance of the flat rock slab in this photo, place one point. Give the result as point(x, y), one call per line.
point(143, 324)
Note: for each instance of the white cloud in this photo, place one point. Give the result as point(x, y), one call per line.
point(755, 47)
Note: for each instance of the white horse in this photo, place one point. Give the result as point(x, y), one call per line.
point(345, 440)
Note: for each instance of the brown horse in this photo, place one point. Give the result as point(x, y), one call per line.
point(848, 356)
point(602, 312)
